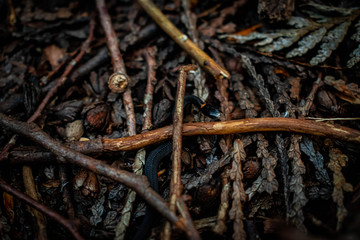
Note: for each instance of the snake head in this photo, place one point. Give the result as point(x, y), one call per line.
point(210, 111)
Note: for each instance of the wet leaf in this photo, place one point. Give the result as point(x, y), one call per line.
point(54, 55)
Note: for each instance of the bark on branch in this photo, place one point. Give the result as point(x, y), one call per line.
point(231, 127)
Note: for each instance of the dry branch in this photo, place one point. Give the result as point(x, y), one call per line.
point(176, 185)
point(183, 41)
point(230, 127)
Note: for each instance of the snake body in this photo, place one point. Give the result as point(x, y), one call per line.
point(158, 154)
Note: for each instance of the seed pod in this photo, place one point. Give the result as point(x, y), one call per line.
point(79, 179)
point(91, 185)
point(87, 182)
point(96, 116)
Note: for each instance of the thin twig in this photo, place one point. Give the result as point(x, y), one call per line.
point(184, 212)
point(309, 100)
point(210, 128)
point(183, 41)
point(66, 223)
point(231, 127)
point(137, 167)
point(176, 185)
point(119, 81)
point(332, 119)
point(149, 54)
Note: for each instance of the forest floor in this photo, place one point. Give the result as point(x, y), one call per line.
point(88, 90)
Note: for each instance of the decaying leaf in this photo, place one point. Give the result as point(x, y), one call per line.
point(348, 92)
point(297, 188)
point(54, 55)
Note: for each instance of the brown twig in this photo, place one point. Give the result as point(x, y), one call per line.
point(119, 81)
point(149, 54)
point(176, 185)
point(184, 212)
point(309, 100)
point(67, 224)
point(46, 79)
point(61, 80)
point(231, 127)
point(137, 167)
point(183, 41)
point(137, 182)
point(100, 57)
point(248, 125)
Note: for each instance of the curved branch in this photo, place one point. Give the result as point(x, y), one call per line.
point(232, 127)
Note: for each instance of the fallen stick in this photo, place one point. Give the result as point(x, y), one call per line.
point(183, 41)
point(231, 127)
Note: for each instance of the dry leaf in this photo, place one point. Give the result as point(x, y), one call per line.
point(54, 54)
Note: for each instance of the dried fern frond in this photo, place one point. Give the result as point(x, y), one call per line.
point(330, 42)
point(266, 182)
point(355, 55)
point(307, 43)
point(305, 34)
point(297, 187)
point(331, 9)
